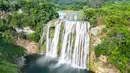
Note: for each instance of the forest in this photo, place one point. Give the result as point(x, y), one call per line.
point(34, 15)
point(113, 14)
point(115, 44)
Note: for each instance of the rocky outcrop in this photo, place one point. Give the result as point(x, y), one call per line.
point(104, 67)
point(20, 61)
point(4, 15)
point(96, 31)
point(96, 41)
point(29, 45)
point(95, 34)
point(25, 30)
point(31, 48)
point(100, 64)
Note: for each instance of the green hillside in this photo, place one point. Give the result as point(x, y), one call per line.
point(64, 2)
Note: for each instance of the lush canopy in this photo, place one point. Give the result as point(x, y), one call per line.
point(116, 44)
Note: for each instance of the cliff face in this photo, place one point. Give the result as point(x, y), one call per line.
point(99, 64)
point(29, 45)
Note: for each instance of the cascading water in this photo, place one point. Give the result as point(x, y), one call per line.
point(52, 44)
point(74, 40)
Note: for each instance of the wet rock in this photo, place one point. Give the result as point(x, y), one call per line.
point(20, 61)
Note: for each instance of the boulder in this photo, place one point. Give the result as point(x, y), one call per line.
point(96, 31)
point(25, 30)
point(97, 41)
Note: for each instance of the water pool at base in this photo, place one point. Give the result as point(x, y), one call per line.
point(44, 64)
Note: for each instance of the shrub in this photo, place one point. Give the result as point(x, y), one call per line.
point(89, 13)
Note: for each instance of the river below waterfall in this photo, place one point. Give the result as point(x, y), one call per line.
point(44, 64)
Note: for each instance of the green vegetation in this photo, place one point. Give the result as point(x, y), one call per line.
point(34, 13)
point(113, 14)
point(9, 52)
point(79, 4)
point(116, 44)
point(72, 6)
point(69, 4)
point(66, 2)
point(34, 18)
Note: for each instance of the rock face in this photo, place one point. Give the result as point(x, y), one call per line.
point(25, 30)
point(30, 46)
point(96, 41)
point(95, 34)
point(103, 58)
point(20, 61)
point(99, 65)
point(96, 31)
point(104, 67)
point(3, 15)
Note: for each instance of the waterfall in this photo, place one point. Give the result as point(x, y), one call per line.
point(72, 34)
point(53, 43)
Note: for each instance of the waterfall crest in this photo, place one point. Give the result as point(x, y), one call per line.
point(70, 41)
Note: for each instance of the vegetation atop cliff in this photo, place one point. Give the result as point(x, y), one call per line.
point(19, 14)
point(25, 13)
point(115, 45)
